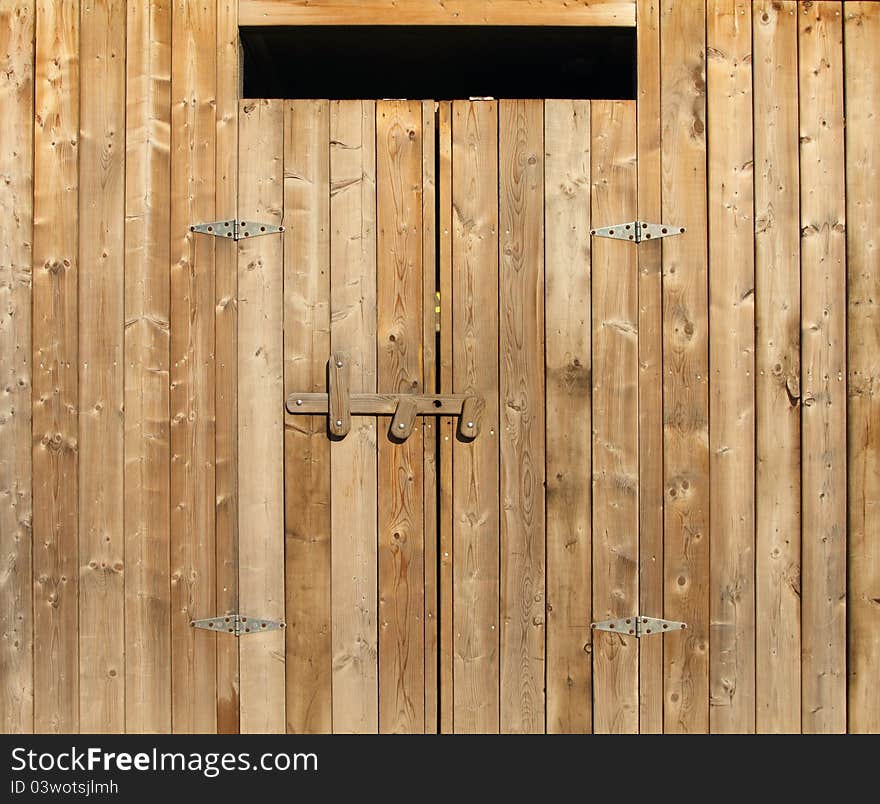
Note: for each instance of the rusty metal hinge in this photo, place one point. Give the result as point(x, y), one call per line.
point(235, 229)
point(638, 626)
point(237, 624)
point(638, 231)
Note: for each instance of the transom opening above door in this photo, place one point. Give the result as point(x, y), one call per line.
point(438, 61)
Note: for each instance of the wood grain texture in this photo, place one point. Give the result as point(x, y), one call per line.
point(437, 12)
point(400, 466)
point(431, 384)
point(862, 32)
point(16, 239)
point(147, 457)
point(823, 352)
point(260, 422)
point(55, 376)
point(353, 496)
point(306, 446)
point(475, 480)
point(777, 366)
point(521, 281)
point(226, 391)
point(446, 431)
point(192, 366)
point(101, 370)
point(685, 367)
point(615, 425)
point(568, 367)
point(650, 365)
point(732, 362)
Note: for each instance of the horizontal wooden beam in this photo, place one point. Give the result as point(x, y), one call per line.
point(438, 12)
point(378, 404)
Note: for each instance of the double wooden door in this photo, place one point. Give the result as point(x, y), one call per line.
point(437, 583)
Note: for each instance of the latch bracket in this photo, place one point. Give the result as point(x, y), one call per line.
point(235, 229)
point(638, 626)
point(237, 624)
point(638, 231)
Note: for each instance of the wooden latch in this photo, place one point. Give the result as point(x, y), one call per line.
point(339, 405)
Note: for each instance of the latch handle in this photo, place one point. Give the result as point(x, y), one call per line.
point(471, 415)
point(404, 418)
point(339, 406)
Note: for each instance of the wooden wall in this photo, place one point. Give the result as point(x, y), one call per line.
point(758, 357)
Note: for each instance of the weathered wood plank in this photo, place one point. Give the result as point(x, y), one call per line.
point(147, 456)
point(650, 365)
point(862, 31)
point(400, 466)
point(685, 367)
point(777, 367)
point(16, 233)
point(446, 434)
point(431, 384)
point(568, 366)
point(437, 12)
point(307, 448)
point(732, 362)
point(226, 363)
point(192, 366)
point(474, 342)
point(354, 559)
point(101, 370)
point(615, 425)
point(521, 246)
point(55, 367)
point(260, 421)
point(823, 352)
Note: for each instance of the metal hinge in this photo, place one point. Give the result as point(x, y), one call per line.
point(237, 624)
point(637, 231)
point(638, 626)
point(235, 229)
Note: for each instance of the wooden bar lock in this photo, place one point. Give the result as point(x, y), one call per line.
point(340, 405)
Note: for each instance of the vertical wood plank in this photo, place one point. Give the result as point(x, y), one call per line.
point(568, 368)
point(685, 367)
point(353, 495)
point(16, 232)
point(193, 557)
point(226, 363)
point(823, 352)
point(650, 365)
point(147, 457)
point(55, 384)
point(400, 465)
point(777, 359)
point(446, 434)
point(521, 233)
point(474, 341)
point(615, 425)
point(731, 358)
point(260, 421)
point(431, 385)
point(101, 371)
point(862, 33)
point(307, 448)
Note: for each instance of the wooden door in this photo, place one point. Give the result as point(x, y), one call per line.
point(440, 583)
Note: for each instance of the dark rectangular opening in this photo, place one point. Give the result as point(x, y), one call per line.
point(439, 62)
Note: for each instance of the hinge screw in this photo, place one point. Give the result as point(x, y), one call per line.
point(339, 422)
point(299, 401)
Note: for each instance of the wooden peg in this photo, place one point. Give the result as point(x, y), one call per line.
point(471, 414)
point(404, 418)
point(339, 400)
